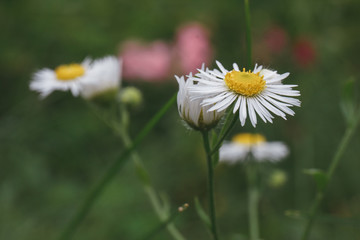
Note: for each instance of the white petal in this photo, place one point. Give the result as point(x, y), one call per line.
point(236, 67)
point(257, 109)
point(284, 92)
point(266, 113)
point(252, 114)
point(217, 73)
point(217, 98)
point(292, 101)
point(237, 105)
point(242, 111)
point(220, 106)
point(283, 107)
point(273, 109)
point(224, 71)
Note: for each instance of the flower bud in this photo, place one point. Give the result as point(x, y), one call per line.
point(277, 179)
point(131, 96)
point(191, 111)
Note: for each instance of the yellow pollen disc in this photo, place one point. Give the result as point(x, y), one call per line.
point(245, 83)
point(69, 72)
point(248, 138)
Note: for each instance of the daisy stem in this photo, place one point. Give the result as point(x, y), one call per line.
point(205, 135)
point(148, 188)
point(253, 201)
point(248, 34)
point(333, 165)
point(111, 172)
point(164, 224)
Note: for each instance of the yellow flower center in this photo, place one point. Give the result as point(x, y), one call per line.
point(245, 83)
point(248, 138)
point(69, 72)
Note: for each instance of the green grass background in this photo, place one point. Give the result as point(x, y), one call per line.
point(52, 151)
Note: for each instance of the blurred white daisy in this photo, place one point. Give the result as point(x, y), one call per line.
point(196, 116)
point(259, 92)
point(63, 78)
point(104, 77)
point(252, 146)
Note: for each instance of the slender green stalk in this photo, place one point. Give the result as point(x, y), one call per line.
point(333, 165)
point(253, 201)
point(224, 135)
point(114, 168)
point(165, 223)
point(162, 214)
point(248, 34)
point(150, 191)
point(205, 135)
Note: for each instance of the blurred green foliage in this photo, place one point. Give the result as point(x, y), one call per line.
point(53, 150)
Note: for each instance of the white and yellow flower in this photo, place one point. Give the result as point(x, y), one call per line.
point(104, 77)
point(196, 116)
point(63, 78)
point(254, 92)
point(252, 146)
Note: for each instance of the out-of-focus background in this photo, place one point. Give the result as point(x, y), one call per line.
point(53, 150)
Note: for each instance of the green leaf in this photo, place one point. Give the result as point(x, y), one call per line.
point(200, 211)
point(216, 158)
point(319, 176)
point(348, 101)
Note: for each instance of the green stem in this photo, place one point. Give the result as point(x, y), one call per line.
point(313, 212)
point(341, 149)
point(111, 172)
point(149, 189)
point(253, 204)
point(205, 135)
point(248, 34)
point(161, 214)
point(333, 165)
point(164, 224)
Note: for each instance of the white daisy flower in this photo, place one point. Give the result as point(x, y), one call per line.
point(104, 76)
point(63, 78)
point(259, 92)
point(246, 145)
point(196, 116)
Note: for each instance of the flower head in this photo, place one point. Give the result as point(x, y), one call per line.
point(246, 144)
point(104, 76)
point(254, 92)
point(63, 78)
point(196, 116)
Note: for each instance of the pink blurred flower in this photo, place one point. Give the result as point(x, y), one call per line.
point(192, 47)
point(149, 62)
point(304, 52)
point(276, 39)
